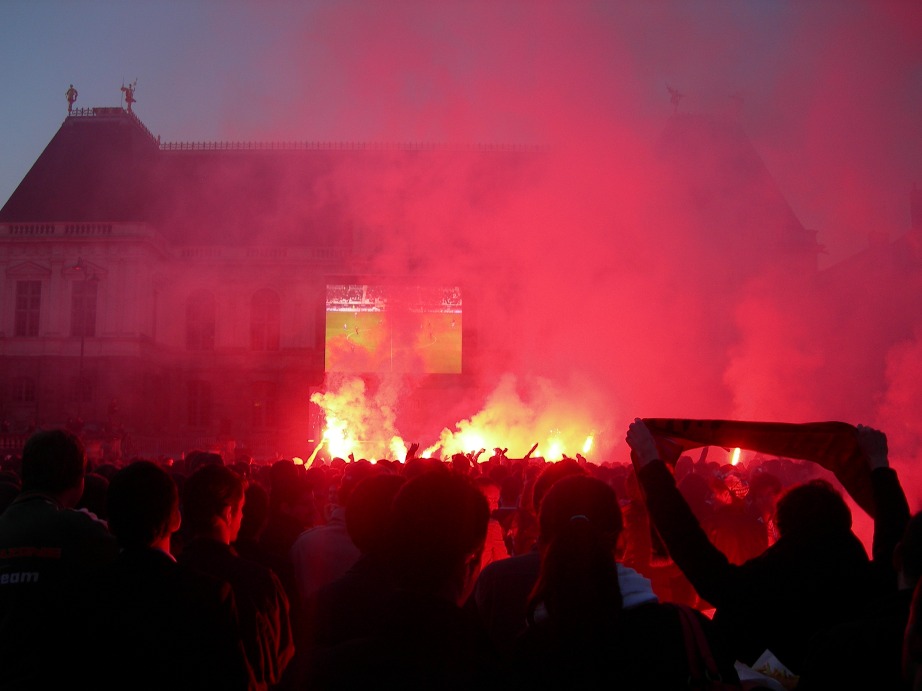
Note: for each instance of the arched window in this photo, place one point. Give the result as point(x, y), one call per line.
point(264, 320)
point(200, 321)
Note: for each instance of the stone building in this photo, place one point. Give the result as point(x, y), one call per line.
point(170, 296)
point(151, 293)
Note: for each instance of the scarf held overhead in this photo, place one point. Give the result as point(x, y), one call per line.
point(833, 445)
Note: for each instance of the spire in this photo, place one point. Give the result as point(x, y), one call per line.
point(674, 98)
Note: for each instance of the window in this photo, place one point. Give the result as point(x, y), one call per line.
point(22, 390)
point(200, 321)
point(264, 321)
point(199, 404)
point(28, 308)
point(265, 404)
point(83, 308)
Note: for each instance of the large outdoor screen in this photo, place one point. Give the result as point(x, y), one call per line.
point(388, 328)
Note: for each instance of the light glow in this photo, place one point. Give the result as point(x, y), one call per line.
point(471, 440)
point(555, 451)
point(356, 417)
point(338, 441)
point(398, 449)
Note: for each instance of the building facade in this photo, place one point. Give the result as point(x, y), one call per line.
point(163, 297)
point(112, 322)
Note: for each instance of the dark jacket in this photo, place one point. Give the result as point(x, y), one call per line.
point(265, 626)
point(644, 650)
point(780, 599)
point(350, 607)
point(418, 642)
point(41, 543)
point(862, 654)
point(146, 622)
point(43, 548)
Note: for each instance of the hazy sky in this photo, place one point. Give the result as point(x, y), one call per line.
point(829, 91)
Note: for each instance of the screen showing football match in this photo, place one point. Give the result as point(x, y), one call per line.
point(388, 328)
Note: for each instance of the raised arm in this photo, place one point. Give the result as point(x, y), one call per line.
point(705, 566)
point(891, 510)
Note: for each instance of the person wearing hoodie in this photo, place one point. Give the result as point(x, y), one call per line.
point(590, 625)
point(500, 597)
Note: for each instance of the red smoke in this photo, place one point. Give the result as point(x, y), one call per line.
point(640, 262)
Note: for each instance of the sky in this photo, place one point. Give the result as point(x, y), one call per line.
point(612, 299)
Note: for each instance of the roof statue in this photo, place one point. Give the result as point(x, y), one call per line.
point(128, 91)
point(71, 95)
point(674, 98)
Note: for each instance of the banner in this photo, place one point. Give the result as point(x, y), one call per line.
point(833, 445)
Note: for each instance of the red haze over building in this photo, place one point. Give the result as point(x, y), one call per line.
point(176, 292)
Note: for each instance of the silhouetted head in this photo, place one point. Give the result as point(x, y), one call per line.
point(581, 497)
point(368, 511)
point(438, 529)
point(461, 463)
point(812, 509)
point(551, 475)
point(142, 504)
point(353, 474)
point(53, 461)
point(419, 466)
point(213, 493)
point(255, 512)
point(197, 459)
point(95, 488)
point(284, 482)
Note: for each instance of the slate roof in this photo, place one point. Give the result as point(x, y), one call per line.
point(93, 170)
point(107, 167)
point(103, 165)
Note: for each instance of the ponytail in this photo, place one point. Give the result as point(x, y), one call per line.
point(578, 582)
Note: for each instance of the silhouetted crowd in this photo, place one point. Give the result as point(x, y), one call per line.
point(453, 574)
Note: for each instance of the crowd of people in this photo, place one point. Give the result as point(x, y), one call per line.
point(453, 574)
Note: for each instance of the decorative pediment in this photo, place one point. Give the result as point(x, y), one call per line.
point(82, 269)
point(28, 270)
